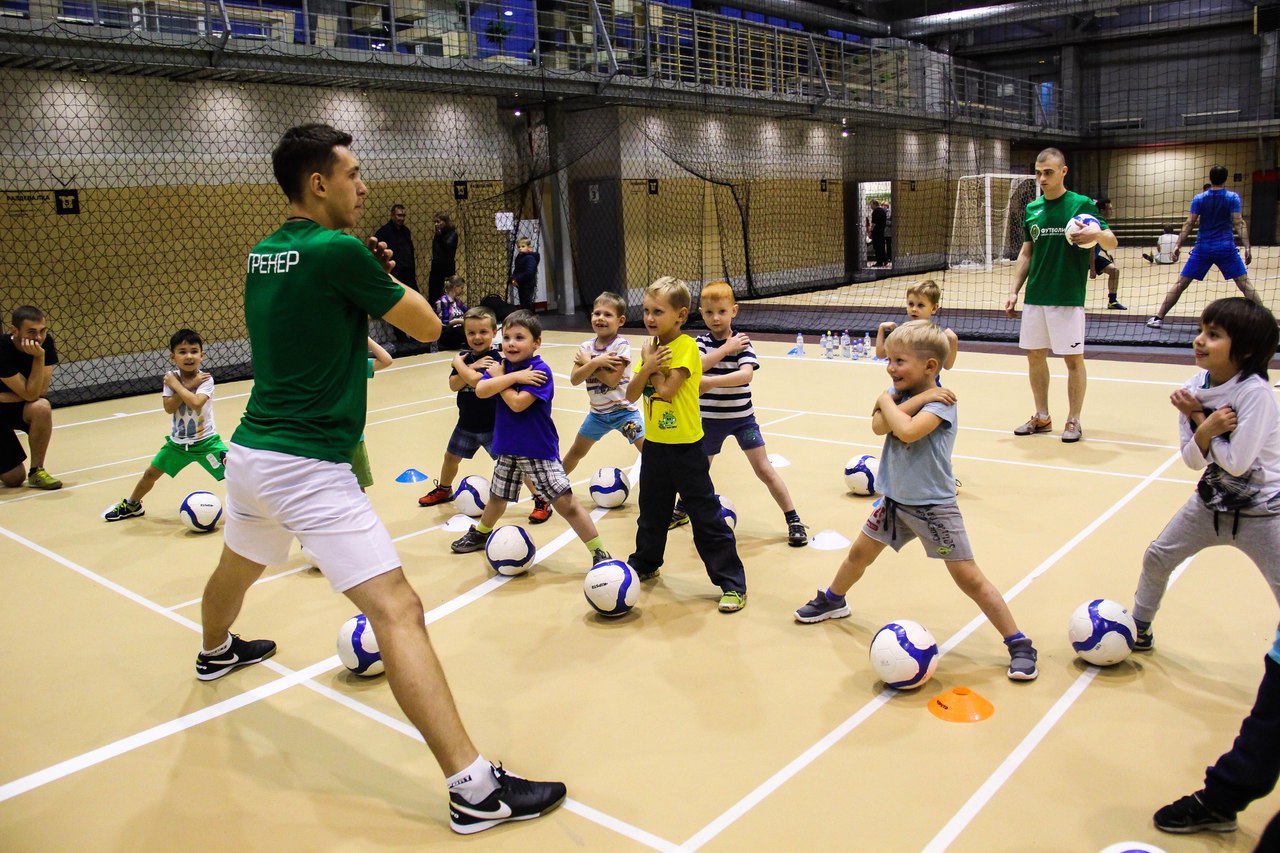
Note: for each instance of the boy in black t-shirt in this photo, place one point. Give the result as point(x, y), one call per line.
point(27, 359)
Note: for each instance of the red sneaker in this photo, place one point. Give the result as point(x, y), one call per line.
point(541, 511)
point(439, 495)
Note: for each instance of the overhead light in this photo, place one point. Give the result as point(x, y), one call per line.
point(845, 134)
point(508, 12)
point(517, 111)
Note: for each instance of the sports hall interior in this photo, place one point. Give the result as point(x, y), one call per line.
point(630, 140)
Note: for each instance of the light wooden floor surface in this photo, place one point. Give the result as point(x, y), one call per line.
point(675, 727)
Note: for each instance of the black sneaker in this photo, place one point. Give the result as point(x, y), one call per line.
point(1022, 660)
point(472, 540)
point(125, 509)
point(599, 555)
point(241, 653)
point(514, 799)
point(1144, 640)
point(1113, 304)
point(1190, 815)
point(797, 534)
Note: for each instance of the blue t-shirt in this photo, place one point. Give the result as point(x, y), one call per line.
point(1215, 209)
point(920, 473)
point(530, 433)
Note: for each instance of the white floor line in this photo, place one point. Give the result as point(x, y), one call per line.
point(289, 679)
point(32, 494)
point(106, 465)
point(806, 758)
point(965, 815)
point(783, 418)
point(267, 579)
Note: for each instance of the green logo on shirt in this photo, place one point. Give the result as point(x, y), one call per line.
point(667, 421)
point(1035, 233)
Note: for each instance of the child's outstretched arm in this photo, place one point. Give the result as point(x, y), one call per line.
point(906, 428)
point(882, 332)
point(381, 358)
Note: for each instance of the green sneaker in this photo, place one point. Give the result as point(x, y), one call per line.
point(733, 601)
point(125, 509)
point(42, 479)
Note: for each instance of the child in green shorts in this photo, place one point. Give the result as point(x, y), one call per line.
point(188, 397)
point(360, 456)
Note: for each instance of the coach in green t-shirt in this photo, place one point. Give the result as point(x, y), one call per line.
point(309, 291)
point(1055, 271)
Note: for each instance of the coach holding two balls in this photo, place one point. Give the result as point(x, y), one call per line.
point(1056, 272)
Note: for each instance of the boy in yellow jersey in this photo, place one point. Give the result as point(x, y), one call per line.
point(673, 461)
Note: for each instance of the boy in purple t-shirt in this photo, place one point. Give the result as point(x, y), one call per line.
point(525, 438)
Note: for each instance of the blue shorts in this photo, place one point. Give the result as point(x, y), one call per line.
point(464, 443)
point(745, 430)
point(629, 422)
point(1227, 261)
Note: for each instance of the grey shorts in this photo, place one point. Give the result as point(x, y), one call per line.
point(939, 527)
point(547, 475)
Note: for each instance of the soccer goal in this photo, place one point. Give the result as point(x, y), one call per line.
point(987, 226)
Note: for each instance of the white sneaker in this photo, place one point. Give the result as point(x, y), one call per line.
point(1154, 323)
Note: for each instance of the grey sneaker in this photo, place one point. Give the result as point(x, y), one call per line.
point(125, 509)
point(1022, 660)
point(678, 517)
point(1190, 814)
point(472, 540)
point(821, 609)
point(1072, 431)
point(1154, 323)
point(1035, 425)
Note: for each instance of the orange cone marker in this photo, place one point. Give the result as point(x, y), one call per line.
point(960, 705)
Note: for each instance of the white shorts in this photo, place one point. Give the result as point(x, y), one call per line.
point(273, 498)
point(1056, 327)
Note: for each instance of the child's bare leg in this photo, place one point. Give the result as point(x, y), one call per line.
point(579, 519)
point(862, 553)
point(974, 584)
point(150, 477)
point(581, 445)
point(449, 469)
point(759, 459)
point(493, 511)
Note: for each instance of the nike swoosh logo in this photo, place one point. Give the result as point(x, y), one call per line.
point(233, 659)
point(497, 814)
point(1076, 344)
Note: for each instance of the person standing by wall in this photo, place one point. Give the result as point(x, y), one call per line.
point(444, 250)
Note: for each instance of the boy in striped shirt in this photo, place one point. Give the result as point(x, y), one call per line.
point(728, 364)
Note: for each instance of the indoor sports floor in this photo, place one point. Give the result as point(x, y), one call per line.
point(676, 726)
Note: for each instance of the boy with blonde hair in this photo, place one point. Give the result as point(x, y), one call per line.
point(673, 461)
point(924, 299)
point(918, 420)
point(604, 363)
point(728, 364)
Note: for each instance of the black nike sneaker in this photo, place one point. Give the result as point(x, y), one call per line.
point(514, 799)
point(241, 653)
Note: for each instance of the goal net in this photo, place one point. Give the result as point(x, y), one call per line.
point(987, 226)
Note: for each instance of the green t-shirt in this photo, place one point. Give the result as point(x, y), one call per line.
point(308, 295)
point(676, 421)
point(1059, 271)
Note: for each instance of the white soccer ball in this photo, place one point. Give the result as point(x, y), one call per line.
point(201, 511)
point(728, 512)
point(1102, 632)
point(904, 654)
point(860, 474)
point(611, 587)
point(610, 487)
point(1079, 222)
point(358, 648)
point(510, 550)
point(471, 495)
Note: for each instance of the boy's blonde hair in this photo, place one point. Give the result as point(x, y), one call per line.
point(481, 313)
point(922, 338)
point(614, 301)
point(454, 281)
point(928, 289)
point(524, 243)
point(672, 289)
point(719, 289)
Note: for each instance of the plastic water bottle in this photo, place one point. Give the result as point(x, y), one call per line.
point(867, 350)
point(858, 352)
point(846, 346)
point(826, 345)
point(799, 343)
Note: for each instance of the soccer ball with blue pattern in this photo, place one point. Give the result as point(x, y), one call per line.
point(728, 512)
point(610, 487)
point(510, 550)
point(904, 654)
point(860, 474)
point(1079, 222)
point(611, 587)
point(358, 648)
point(471, 495)
point(201, 511)
point(1102, 632)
